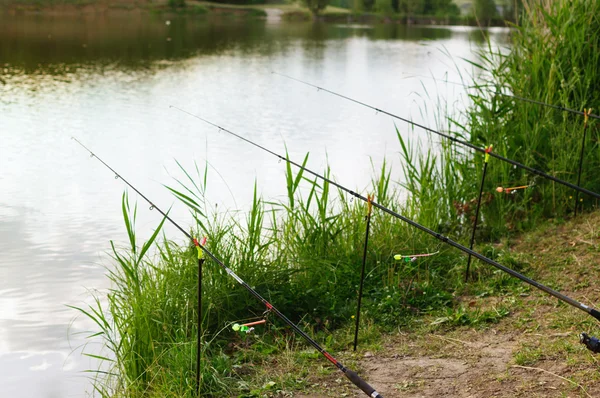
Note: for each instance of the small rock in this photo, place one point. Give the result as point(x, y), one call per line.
point(368, 354)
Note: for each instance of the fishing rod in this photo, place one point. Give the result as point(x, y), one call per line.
point(519, 98)
point(589, 310)
point(453, 139)
point(351, 375)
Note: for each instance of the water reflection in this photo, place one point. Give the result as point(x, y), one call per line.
point(42, 43)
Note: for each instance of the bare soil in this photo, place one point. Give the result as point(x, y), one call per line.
point(472, 364)
point(533, 352)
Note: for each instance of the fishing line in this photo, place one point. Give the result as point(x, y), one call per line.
point(453, 139)
point(559, 107)
point(351, 375)
point(591, 311)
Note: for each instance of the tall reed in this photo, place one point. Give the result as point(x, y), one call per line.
point(555, 59)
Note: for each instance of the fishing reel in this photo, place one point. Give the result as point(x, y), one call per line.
point(592, 343)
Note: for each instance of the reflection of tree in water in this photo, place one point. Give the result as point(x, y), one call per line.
point(408, 32)
point(33, 41)
point(135, 40)
point(479, 36)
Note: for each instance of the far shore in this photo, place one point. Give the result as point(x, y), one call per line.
point(286, 12)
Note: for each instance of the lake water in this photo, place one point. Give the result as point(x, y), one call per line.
point(109, 81)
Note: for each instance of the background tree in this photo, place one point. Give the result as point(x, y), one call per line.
point(176, 3)
point(440, 7)
point(484, 11)
point(368, 4)
point(384, 6)
point(315, 6)
point(411, 7)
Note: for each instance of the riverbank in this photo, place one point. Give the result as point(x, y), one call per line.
point(104, 7)
point(273, 12)
point(494, 336)
point(509, 341)
point(340, 15)
point(303, 253)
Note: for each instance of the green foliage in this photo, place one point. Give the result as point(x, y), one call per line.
point(384, 7)
point(484, 11)
point(462, 317)
point(440, 8)
point(528, 355)
point(367, 5)
point(176, 3)
point(315, 6)
point(555, 59)
point(347, 4)
point(303, 254)
point(411, 7)
point(244, 2)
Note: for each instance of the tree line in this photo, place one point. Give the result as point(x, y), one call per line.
point(483, 10)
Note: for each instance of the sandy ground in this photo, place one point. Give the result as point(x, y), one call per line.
point(476, 365)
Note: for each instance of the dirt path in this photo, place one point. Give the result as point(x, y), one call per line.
point(532, 352)
point(461, 368)
point(479, 365)
point(474, 364)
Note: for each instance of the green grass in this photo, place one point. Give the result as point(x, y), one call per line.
point(303, 254)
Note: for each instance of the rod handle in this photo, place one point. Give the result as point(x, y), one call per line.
point(360, 383)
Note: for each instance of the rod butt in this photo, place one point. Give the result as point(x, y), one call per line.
point(360, 383)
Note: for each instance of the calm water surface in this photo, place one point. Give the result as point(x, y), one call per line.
point(110, 80)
